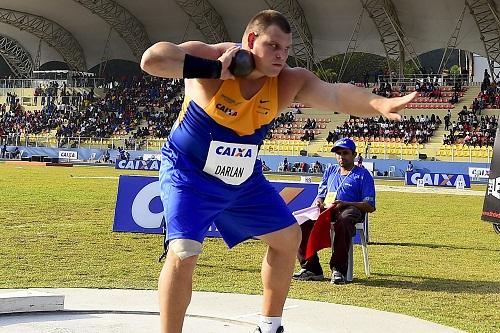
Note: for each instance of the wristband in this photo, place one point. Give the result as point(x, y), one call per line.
point(200, 68)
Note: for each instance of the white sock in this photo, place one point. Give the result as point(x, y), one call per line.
point(269, 324)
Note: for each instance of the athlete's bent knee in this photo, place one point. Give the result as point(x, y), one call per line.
point(185, 248)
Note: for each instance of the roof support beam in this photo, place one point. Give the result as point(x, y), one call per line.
point(486, 17)
point(17, 58)
point(452, 42)
point(302, 38)
point(392, 36)
point(51, 33)
point(206, 18)
point(125, 24)
point(351, 47)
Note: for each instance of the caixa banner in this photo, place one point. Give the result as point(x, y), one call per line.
point(437, 179)
point(491, 207)
point(139, 208)
point(152, 165)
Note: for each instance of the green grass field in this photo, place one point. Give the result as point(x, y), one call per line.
point(431, 256)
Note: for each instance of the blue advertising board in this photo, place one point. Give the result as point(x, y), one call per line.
point(437, 179)
point(153, 165)
point(139, 207)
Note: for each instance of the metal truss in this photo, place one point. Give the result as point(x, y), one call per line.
point(392, 36)
point(488, 23)
point(51, 33)
point(126, 25)
point(17, 58)
point(38, 58)
point(351, 47)
point(105, 54)
point(452, 42)
point(303, 49)
point(206, 19)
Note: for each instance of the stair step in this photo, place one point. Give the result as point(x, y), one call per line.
point(30, 301)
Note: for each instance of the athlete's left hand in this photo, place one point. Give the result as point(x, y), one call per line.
point(390, 107)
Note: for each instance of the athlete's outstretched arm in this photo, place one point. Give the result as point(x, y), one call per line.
point(347, 98)
point(166, 59)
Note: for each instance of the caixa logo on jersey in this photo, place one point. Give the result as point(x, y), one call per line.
point(233, 151)
point(153, 165)
point(437, 179)
point(494, 187)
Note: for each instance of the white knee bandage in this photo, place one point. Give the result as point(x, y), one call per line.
point(185, 248)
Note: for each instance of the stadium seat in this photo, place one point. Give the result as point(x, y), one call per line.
point(362, 228)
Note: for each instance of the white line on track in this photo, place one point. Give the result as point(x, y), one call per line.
point(94, 177)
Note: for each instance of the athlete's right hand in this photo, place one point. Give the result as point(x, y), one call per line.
point(226, 59)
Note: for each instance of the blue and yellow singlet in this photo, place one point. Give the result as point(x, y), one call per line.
point(228, 117)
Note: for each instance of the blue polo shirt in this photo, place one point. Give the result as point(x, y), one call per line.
point(357, 186)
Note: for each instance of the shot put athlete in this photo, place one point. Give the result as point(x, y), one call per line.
point(209, 170)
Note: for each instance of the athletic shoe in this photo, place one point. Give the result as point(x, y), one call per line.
point(279, 330)
point(338, 278)
point(305, 275)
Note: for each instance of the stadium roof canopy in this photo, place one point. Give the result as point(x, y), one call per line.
point(83, 33)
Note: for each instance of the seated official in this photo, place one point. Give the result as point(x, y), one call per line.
point(350, 191)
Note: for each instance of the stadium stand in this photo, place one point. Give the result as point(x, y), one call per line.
point(138, 112)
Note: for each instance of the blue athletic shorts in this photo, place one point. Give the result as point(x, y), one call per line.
point(193, 200)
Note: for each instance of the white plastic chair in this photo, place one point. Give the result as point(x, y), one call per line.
point(392, 171)
point(362, 227)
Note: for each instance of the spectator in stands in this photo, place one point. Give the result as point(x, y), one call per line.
point(408, 130)
point(360, 161)
point(16, 153)
point(470, 129)
point(409, 167)
point(447, 121)
point(308, 124)
point(454, 99)
point(286, 165)
point(366, 79)
point(350, 192)
point(106, 156)
point(486, 80)
point(123, 154)
point(317, 167)
point(265, 167)
point(329, 138)
point(308, 135)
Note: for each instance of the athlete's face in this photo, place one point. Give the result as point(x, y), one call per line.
point(345, 158)
point(270, 49)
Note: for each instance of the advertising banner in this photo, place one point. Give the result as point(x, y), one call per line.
point(147, 157)
point(152, 165)
point(68, 155)
point(437, 179)
point(479, 173)
point(139, 208)
point(491, 207)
